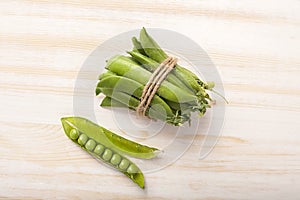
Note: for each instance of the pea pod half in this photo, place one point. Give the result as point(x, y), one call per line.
point(105, 145)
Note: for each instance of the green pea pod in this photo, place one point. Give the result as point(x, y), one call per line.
point(92, 138)
point(152, 65)
point(103, 76)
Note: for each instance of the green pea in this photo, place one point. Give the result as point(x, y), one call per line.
point(82, 139)
point(90, 145)
point(107, 154)
point(99, 149)
point(124, 164)
point(116, 159)
point(132, 169)
point(74, 134)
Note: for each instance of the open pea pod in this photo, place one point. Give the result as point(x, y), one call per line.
point(91, 138)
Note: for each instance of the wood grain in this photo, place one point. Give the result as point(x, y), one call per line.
point(255, 45)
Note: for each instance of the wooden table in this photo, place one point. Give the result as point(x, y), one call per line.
point(254, 44)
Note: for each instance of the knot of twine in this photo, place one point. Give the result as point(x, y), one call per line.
point(153, 84)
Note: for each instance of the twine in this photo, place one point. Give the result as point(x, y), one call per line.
point(154, 82)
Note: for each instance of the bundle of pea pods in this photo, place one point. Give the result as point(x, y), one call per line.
point(180, 94)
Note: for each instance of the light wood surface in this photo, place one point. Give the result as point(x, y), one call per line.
point(254, 43)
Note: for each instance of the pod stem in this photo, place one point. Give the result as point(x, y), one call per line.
point(220, 95)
